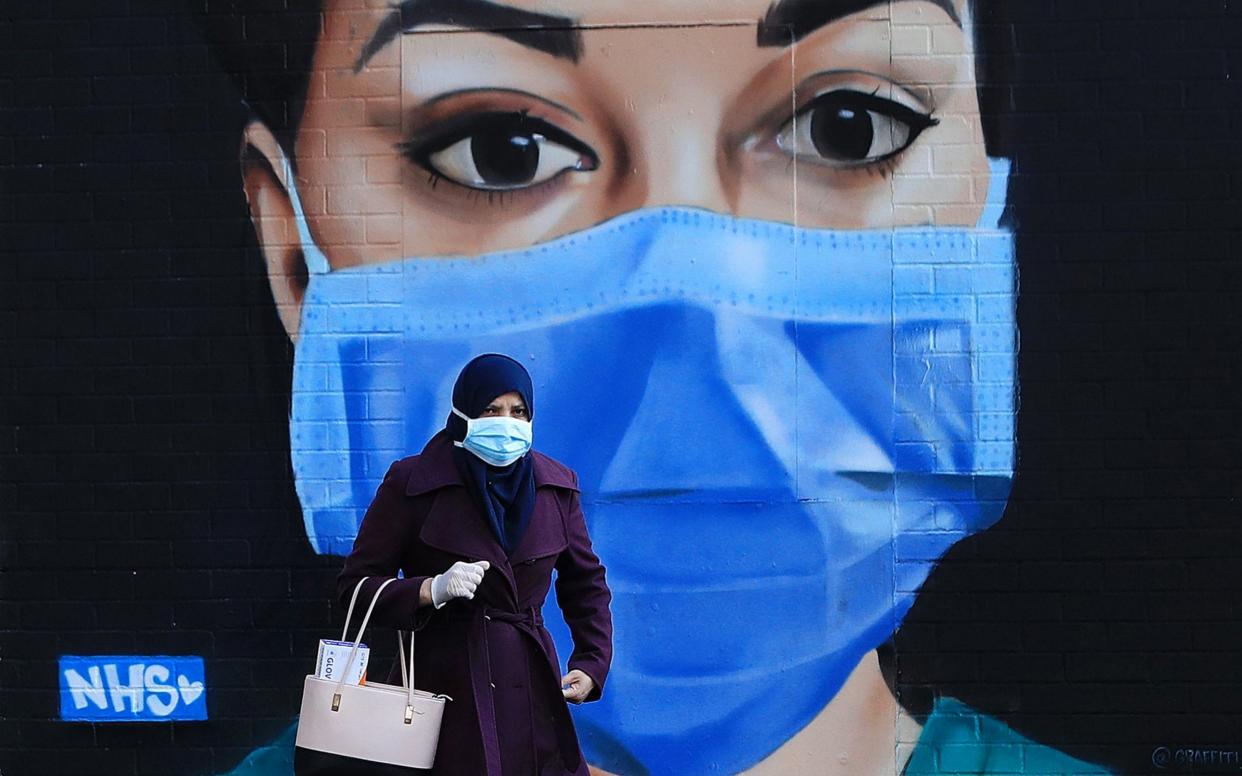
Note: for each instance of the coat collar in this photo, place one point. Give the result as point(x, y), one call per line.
point(437, 470)
point(454, 525)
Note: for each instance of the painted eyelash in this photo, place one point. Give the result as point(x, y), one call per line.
point(495, 197)
point(871, 100)
point(878, 168)
point(422, 145)
point(917, 121)
point(882, 166)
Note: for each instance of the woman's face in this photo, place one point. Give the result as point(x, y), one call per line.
point(425, 139)
point(506, 405)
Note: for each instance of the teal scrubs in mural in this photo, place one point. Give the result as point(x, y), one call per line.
point(275, 759)
point(955, 740)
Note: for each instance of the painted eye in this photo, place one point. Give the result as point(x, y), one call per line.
point(503, 151)
point(845, 128)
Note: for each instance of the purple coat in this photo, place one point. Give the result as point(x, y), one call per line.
point(491, 654)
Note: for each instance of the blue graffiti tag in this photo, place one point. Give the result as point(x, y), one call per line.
point(132, 688)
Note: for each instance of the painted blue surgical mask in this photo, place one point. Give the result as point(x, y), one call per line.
point(777, 432)
point(497, 441)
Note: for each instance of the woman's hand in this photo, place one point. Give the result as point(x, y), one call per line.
point(460, 581)
point(576, 686)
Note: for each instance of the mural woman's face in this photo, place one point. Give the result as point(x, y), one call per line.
point(417, 142)
point(854, 381)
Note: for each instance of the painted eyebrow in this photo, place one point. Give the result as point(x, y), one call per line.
point(788, 21)
point(549, 33)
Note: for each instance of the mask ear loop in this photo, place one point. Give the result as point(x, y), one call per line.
point(316, 261)
point(998, 190)
point(461, 415)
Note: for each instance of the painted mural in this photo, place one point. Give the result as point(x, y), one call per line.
point(867, 503)
point(755, 259)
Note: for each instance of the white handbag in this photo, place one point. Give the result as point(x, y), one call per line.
point(372, 722)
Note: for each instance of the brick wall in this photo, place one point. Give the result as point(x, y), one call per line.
point(146, 497)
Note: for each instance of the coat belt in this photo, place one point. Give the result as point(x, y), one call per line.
point(529, 622)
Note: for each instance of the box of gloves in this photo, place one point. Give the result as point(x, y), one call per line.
point(332, 658)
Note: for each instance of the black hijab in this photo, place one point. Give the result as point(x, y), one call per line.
point(504, 494)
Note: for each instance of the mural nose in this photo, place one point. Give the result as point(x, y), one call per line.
point(686, 172)
point(690, 435)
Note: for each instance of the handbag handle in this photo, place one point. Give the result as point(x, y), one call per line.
point(407, 681)
point(407, 678)
point(350, 612)
point(367, 618)
point(409, 692)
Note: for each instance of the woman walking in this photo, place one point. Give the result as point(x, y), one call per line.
point(476, 523)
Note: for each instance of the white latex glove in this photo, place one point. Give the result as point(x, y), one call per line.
point(459, 581)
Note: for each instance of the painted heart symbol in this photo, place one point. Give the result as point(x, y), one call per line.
point(189, 690)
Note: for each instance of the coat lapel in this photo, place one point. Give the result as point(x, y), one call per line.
point(453, 523)
point(545, 535)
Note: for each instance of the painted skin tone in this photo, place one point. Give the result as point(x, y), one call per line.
point(575, 685)
point(447, 141)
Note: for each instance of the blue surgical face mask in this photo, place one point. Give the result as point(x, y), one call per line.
point(777, 432)
point(497, 441)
